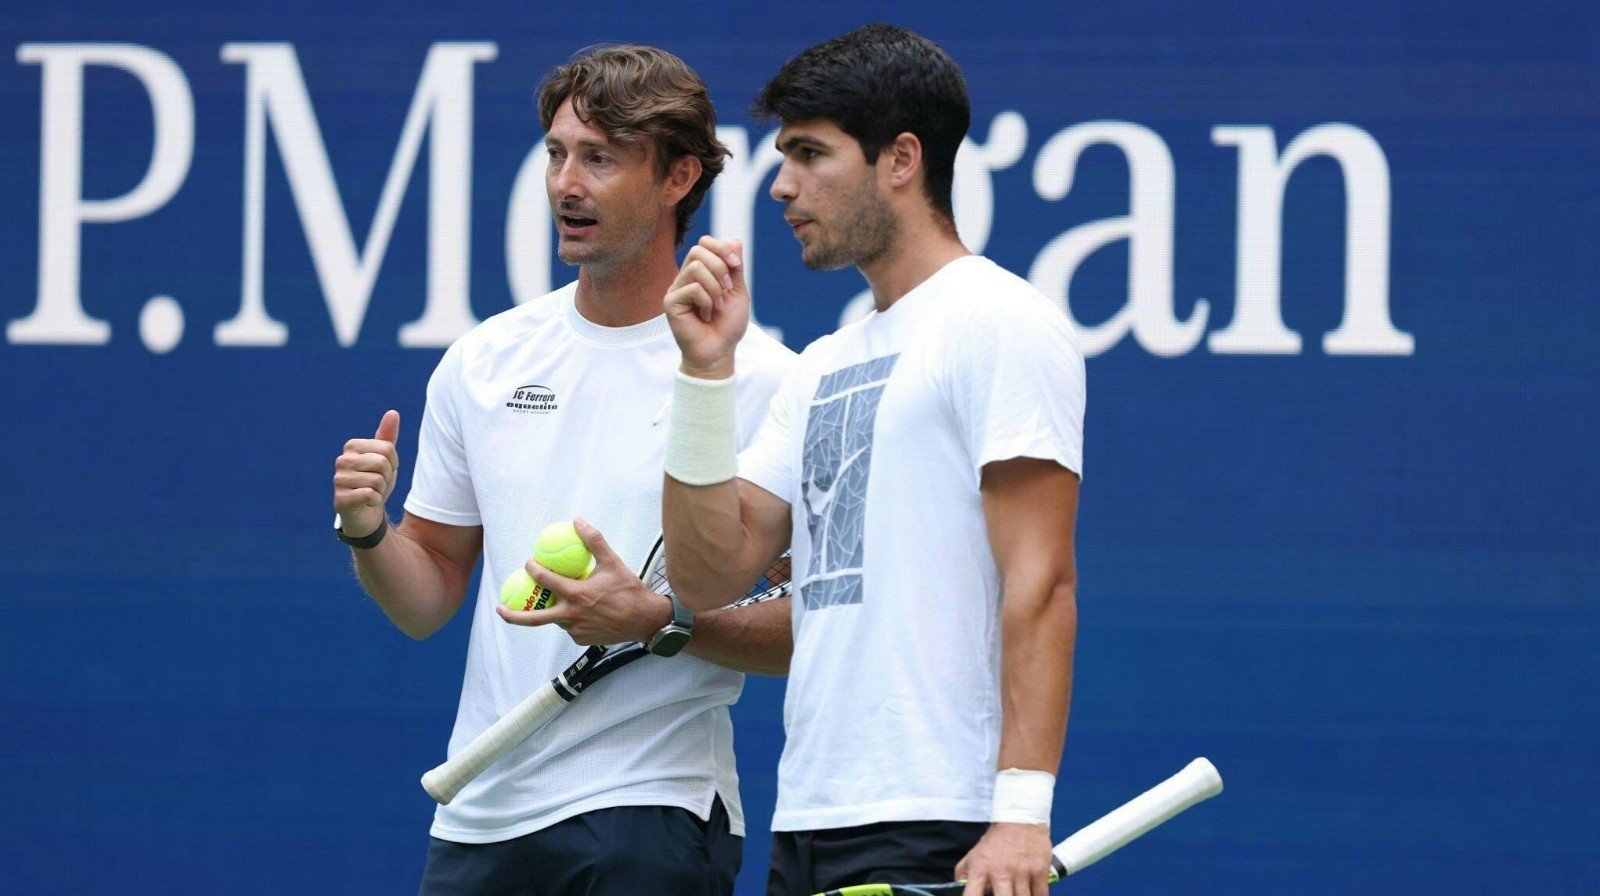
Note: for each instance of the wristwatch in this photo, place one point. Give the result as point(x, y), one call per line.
point(369, 540)
point(675, 635)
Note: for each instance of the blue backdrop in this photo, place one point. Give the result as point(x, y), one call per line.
point(1358, 573)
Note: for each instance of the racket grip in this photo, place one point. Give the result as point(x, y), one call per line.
point(1198, 781)
point(446, 780)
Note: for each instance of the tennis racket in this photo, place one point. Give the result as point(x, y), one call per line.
point(1197, 782)
point(535, 712)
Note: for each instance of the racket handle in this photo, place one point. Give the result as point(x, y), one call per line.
point(1198, 781)
point(445, 781)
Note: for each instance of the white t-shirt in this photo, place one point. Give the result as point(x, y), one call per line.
point(877, 439)
point(539, 415)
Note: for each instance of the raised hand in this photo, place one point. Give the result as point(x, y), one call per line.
point(364, 476)
point(708, 307)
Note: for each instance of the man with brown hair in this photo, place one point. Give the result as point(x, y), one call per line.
point(547, 412)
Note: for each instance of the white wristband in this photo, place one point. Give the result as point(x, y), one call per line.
point(701, 435)
point(1023, 796)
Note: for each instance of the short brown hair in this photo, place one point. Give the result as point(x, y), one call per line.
point(638, 94)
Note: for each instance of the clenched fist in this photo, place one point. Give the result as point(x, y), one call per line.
point(708, 307)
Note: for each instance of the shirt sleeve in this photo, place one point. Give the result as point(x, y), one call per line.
point(1016, 381)
point(441, 484)
point(769, 460)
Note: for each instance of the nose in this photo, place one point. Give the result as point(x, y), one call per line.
point(783, 186)
point(563, 179)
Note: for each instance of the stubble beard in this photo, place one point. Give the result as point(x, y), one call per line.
point(623, 245)
point(862, 239)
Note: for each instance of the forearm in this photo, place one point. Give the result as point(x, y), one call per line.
point(409, 583)
point(1039, 624)
point(756, 639)
point(706, 539)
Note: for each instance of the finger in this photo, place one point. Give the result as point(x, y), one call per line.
point(351, 480)
point(692, 299)
point(373, 446)
point(735, 262)
point(707, 280)
point(356, 498)
point(381, 465)
point(347, 501)
point(720, 247)
point(713, 263)
point(597, 545)
point(976, 886)
point(1039, 884)
point(546, 578)
point(368, 462)
point(389, 427)
point(534, 618)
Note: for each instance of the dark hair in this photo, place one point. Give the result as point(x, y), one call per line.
point(639, 94)
point(876, 83)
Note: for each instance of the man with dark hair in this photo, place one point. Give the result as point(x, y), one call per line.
point(925, 462)
point(632, 790)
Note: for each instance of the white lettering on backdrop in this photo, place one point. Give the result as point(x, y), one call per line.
point(277, 100)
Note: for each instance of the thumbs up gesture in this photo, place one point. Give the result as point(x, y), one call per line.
point(363, 477)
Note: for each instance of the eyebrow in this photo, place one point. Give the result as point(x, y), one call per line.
point(584, 144)
point(799, 140)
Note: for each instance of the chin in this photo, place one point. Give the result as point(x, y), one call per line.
point(823, 261)
point(576, 255)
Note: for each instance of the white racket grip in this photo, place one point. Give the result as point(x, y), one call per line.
point(445, 781)
point(1198, 781)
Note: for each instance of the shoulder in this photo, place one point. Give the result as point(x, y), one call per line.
point(986, 299)
point(981, 288)
point(822, 354)
point(510, 329)
point(761, 356)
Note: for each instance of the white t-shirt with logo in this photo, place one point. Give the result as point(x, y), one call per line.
point(877, 440)
point(539, 415)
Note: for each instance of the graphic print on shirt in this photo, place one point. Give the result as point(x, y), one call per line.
point(833, 479)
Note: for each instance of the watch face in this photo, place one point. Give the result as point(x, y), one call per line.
point(669, 641)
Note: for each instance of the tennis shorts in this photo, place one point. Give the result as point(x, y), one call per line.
point(893, 852)
point(624, 851)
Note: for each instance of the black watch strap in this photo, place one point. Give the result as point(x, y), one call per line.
point(366, 541)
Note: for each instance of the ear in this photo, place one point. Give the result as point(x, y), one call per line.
point(903, 158)
point(681, 178)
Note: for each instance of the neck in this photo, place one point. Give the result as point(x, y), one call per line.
point(628, 291)
point(918, 252)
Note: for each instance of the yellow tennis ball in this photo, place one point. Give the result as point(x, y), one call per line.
point(560, 550)
point(521, 592)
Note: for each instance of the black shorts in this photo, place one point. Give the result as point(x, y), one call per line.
point(625, 851)
point(894, 852)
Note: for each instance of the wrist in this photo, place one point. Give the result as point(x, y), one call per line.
point(1022, 796)
point(676, 633)
point(365, 540)
point(701, 434)
point(713, 369)
point(655, 618)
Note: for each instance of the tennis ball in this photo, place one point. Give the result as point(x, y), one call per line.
point(521, 592)
point(560, 550)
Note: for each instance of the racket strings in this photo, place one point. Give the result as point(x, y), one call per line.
point(774, 582)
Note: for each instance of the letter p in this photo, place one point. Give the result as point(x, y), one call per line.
point(58, 318)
